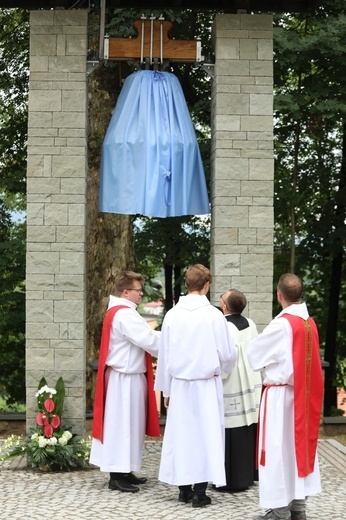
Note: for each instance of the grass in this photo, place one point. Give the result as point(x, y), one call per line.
point(339, 437)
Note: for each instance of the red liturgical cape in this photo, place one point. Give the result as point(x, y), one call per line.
point(152, 424)
point(308, 391)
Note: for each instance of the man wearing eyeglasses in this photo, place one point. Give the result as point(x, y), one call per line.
point(123, 386)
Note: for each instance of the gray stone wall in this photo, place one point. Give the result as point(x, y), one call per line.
point(56, 209)
point(242, 165)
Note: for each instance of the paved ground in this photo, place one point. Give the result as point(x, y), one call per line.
point(82, 495)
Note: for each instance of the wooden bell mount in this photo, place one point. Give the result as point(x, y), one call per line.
point(152, 45)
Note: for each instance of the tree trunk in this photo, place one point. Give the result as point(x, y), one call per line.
point(177, 283)
point(330, 353)
point(109, 237)
point(168, 287)
point(294, 186)
point(331, 348)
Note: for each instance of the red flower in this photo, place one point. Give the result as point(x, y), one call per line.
point(48, 430)
point(49, 405)
point(41, 419)
point(55, 422)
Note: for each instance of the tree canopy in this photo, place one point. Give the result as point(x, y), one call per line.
point(14, 71)
point(310, 170)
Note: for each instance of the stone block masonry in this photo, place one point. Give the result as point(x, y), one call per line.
point(56, 209)
point(242, 164)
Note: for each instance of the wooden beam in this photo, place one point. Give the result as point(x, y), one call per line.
point(172, 50)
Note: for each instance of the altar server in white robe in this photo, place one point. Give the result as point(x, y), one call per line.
point(196, 347)
point(120, 405)
point(288, 352)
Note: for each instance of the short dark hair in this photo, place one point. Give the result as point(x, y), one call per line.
point(124, 280)
point(291, 287)
point(236, 301)
point(196, 277)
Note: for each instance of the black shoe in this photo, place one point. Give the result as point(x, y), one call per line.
point(132, 479)
point(122, 485)
point(222, 489)
point(200, 501)
point(185, 495)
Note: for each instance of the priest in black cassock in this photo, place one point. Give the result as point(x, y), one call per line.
point(241, 392)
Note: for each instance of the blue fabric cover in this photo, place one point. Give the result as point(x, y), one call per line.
point(151, 163)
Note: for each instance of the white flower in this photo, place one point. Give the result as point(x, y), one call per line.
point(34, 436)
point(67, 435)
point(45, 390)
point(52, 441)
point(42, 390)
point(63, 441)
point(42, 441)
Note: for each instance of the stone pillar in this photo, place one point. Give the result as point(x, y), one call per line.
point(242, 165)
point(56, 209)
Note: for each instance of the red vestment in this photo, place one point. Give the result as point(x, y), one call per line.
point(152, 423)
point(308, 391)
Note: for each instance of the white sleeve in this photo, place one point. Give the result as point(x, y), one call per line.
point(227, 351)
point(134, 328)
point(266, 348)
point(163, 378)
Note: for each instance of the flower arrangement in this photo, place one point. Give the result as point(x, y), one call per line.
point(50, 446)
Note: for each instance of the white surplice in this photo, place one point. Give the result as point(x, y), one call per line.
point(271, 351)
point(242, 388)
point(196, 347)
point(126, 383)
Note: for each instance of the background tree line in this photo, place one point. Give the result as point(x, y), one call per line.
point(310, 109)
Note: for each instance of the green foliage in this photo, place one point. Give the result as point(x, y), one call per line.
point(310, 175)
point(309, 130)
point(120, 21)
point(340, 381)
point(12, 307)
point(14, 73)
point(11, 408)
point(336, 412)
point(60, 396)
point(14, 76)
point(175, 241)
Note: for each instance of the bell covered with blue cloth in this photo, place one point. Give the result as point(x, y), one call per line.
point(151, 163)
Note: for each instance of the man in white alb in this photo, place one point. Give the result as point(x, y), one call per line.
point(196, 347)
point(288, 352)
point(121, 407)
